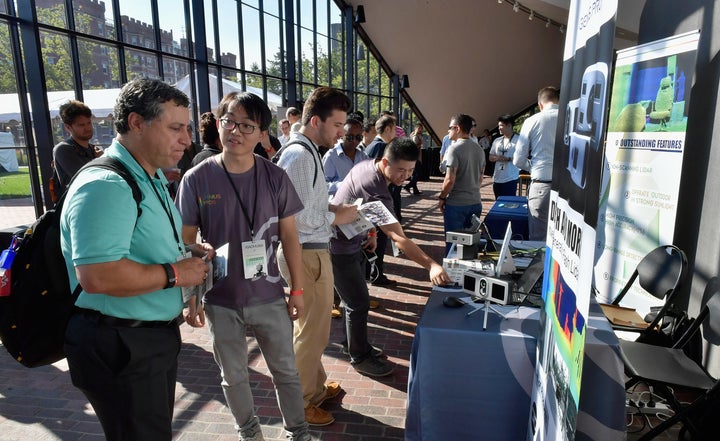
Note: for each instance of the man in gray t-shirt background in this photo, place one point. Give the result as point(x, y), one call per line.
point(460, 192)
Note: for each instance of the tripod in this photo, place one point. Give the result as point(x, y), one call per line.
point(486, 307)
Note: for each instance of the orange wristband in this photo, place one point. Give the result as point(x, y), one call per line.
point(372, 234)
point(177, 278)
point(296, 292)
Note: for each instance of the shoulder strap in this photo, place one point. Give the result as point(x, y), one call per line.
point(115, 166)
point(307, 147)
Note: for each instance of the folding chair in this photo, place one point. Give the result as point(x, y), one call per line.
point(659, 273)
point(663, 368)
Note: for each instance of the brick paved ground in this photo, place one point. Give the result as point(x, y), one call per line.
point(41, 404)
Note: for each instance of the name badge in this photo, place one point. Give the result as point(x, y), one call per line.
point(254, 259)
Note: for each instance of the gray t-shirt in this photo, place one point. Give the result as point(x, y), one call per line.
point(468, 159)
point(366, 182)
point(206, 199)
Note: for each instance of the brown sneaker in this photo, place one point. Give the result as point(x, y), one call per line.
point(317, 417)
point(374, 304)
point(335, 312)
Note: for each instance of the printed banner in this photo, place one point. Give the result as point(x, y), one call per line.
point(577, 168)
point(643, 159)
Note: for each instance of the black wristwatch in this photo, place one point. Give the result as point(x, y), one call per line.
point(170, 272)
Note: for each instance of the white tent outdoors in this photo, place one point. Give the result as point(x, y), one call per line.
point(8, 159)
point(102, 101)
point(273, 100)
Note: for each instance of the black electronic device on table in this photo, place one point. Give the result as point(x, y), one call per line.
point(528, 288)
point(490, 245)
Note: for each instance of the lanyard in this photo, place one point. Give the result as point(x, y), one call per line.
point(167, 211)
point(250, 219)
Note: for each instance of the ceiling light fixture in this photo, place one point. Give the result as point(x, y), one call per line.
point(532, 14)
point(562, 29)
point(500, 2)
point(516, 7)
point(360, 14)
point(547, 25)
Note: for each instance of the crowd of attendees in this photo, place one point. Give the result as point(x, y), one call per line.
point(281, 219)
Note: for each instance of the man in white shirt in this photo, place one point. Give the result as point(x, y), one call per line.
point(293, 116)
point(284, 132)
point(534, 151)
point(338, 161)
point(323, 123)
point(505, 175)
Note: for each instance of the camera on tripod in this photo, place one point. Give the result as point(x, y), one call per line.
point(481, 287)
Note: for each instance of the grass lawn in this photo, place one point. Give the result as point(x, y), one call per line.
point(15, 185)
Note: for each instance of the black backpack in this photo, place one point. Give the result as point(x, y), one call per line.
point(34, 316)
point(276, 158)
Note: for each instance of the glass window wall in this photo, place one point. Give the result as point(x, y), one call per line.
point(87, 54)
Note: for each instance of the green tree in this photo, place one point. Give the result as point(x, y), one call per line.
point(56, 52)
point(7, 66)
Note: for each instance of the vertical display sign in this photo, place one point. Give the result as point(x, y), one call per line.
point(643, 160)
point(574, 196)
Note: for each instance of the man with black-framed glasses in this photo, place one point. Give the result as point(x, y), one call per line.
point(340, 159)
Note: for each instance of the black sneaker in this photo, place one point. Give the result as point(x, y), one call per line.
point(375, 352)
point(383, 281)
point(374, 367)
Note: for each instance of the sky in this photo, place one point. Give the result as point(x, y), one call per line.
point(171, 13)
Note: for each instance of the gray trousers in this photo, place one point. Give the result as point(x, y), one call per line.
point(349, 270)
point(538, 210)
point(272, 327)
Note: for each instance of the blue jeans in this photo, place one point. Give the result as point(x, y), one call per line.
point(458, 217)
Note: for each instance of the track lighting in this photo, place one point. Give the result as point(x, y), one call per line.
point(360, 14)
point(516, 7)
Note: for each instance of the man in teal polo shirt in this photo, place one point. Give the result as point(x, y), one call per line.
point(123, 342)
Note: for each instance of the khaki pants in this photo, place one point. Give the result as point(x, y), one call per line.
point(311, 332)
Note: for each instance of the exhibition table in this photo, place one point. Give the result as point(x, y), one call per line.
point(513, 209)
point(470, 384)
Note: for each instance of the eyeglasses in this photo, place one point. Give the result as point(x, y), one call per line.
point(452, 127)
point(229, 124)
point(355, 137)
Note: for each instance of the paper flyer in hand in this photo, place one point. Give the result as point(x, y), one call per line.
point(220, 262)
point(198, 290)
point(372, 213)
point(377, 213)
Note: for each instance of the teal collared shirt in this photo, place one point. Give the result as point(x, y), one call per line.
point(99, 223)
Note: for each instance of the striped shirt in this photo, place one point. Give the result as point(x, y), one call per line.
point(314, 222)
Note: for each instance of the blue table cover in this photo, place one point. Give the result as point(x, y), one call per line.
point(469, 384)
point(506, 209)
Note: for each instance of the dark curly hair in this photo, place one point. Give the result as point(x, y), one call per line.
point(145, 97)
point(208, 129)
